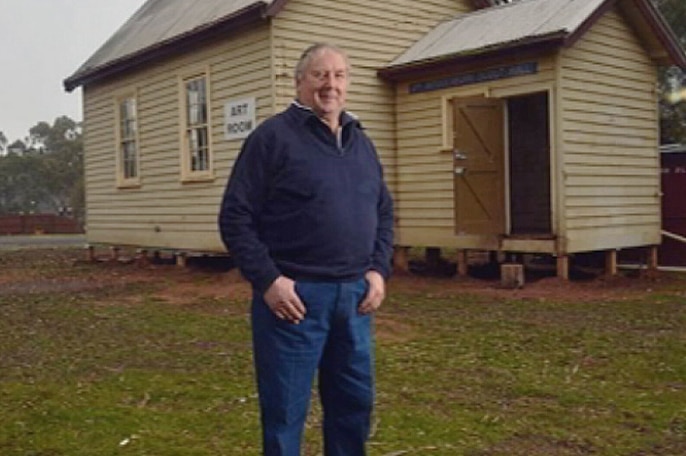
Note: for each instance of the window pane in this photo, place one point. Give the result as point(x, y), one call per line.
point(123, 110)
point(196, 101)
point(129, 129)
point(198, 148)
point(127, 109)
point(127, 132)
point(129, 159)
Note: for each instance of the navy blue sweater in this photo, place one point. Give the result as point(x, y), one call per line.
point(300, 205)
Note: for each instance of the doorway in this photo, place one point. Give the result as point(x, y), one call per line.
point(529, 164)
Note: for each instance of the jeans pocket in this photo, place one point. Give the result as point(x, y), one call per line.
point(298, 288)
point(364, 285)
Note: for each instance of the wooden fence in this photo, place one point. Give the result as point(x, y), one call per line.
point(39, 224)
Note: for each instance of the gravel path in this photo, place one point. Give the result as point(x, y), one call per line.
point(42, 241)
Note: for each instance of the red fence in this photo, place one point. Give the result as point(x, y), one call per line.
point(38, 223)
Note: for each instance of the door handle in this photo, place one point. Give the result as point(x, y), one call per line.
point(459, 155)
point(460, 171)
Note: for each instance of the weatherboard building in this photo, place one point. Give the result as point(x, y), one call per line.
point(527, 127)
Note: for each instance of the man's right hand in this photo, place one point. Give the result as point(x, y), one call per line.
point(284, 301)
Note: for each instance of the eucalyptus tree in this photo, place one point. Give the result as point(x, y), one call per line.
point(45, 172)
point(673, 79)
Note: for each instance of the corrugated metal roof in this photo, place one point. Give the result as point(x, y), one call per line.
point(160, 21)
point(500, 25)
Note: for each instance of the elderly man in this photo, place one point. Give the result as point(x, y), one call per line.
point(309, 220)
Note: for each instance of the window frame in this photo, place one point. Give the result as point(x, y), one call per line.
point(187, 127)
point(124, 181)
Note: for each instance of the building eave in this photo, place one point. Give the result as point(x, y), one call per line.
point(275, 7)
point(531, 46)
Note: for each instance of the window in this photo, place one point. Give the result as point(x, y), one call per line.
point(127, 134)
point(196, 131)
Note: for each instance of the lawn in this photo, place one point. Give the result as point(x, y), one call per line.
point(122, 359)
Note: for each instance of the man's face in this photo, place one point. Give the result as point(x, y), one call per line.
point(324, 84)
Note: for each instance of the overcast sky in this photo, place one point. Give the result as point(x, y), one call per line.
point(41, 43)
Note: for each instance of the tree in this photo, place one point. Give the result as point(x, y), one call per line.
point(45, 172)
point(675, 12)
point(672, 107)
point(673, 79)
point(21, 188)
point(61, 148)
point(3, 143)
point(46, 138)
point(17, 147)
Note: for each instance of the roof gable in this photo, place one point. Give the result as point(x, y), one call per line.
point(525, 23)
point(163, 24)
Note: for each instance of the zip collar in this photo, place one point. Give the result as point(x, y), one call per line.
point(305, 114)
point(346, 117)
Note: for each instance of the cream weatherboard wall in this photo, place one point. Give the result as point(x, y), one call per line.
point(373, 33)
point(425, 187)
point(609, 137)
point(163, 210)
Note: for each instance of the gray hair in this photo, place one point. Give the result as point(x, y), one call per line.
point(309, 53)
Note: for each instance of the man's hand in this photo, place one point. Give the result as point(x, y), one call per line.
point(284, 301)
point(376, 293)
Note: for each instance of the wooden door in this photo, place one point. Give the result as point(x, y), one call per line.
point(479, 166)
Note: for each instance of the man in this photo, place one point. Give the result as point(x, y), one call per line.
point(309, 220)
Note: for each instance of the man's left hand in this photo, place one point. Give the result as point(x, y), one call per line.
point(375, 294)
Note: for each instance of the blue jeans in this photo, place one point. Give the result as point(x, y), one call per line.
point(333, 338)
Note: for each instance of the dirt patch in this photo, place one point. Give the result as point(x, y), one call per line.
point(391, 330)
point(600, 288)
point(227, 285)
point(46, 286)
point(533, 445)
point(64, 270)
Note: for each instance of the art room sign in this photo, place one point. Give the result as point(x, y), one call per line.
point(239, 118)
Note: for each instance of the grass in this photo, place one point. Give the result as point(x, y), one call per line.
point(114, 367)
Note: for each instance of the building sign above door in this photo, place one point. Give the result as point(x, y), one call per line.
point(491, 74)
